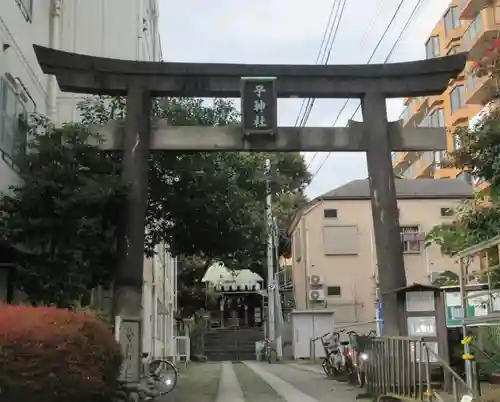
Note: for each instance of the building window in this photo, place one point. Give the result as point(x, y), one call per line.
point(451, 19)
point(437, 118)
point(330, 213)
point(447, 212)
point(340, 240)
point(13, 122)
point(432, 47)
point(410, 246)
point(334, 291)
point(457, 98)
point(26, 7)
point(453, 50)
point(474, 29)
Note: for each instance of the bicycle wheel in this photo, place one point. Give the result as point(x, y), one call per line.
point(164, 375)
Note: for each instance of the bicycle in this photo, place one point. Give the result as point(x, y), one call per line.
point(330, 362)
point(360, 354)
point(158, 378)
point(270, 351)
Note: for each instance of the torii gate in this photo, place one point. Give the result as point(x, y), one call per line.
point(373, 84)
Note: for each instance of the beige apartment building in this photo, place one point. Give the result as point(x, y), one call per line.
point(333, 252)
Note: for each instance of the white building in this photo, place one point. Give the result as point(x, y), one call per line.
point(124, 29)
point(159, 303)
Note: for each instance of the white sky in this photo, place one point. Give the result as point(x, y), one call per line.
point(290, 32)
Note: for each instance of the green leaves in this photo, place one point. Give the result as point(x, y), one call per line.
point(63, 218)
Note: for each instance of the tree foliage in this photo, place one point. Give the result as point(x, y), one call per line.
point(62, 218)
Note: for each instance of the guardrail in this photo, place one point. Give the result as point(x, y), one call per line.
point(401, 367)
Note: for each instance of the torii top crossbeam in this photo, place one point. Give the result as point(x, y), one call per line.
point(87, 74)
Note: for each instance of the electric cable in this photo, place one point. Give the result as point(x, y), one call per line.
point(366, 35)
point(325, 35)
point(411, 17)
point(326, 60)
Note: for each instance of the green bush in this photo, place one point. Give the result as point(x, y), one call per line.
point(56, 355)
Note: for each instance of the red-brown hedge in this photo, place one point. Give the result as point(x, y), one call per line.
point(56, 355)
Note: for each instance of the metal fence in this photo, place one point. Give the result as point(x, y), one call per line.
point(402, 367)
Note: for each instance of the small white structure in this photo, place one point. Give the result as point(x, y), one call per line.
point(308, 324)
point(159, 304)
point(223, 279)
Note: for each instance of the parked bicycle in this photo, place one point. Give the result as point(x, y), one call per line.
point(158, 378)
point(360, 355)
point(333, 361)
point(270, 351)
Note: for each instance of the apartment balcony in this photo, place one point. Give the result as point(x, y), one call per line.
point(458, 117)
point(480, 90)
point(421, 166)
point(403, 162)
point(471, 7)
point(445, 172)
point(425, 165)
point(483, 28)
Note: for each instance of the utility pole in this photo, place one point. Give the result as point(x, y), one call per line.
point(270, 255)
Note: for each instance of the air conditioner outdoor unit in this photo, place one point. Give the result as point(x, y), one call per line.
point(317, 295)
point(315, 280)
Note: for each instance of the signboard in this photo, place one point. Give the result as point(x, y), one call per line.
point(259, 105)
point(130, 341)
point(476, 307)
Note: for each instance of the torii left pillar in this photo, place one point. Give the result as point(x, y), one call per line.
point(128, 279)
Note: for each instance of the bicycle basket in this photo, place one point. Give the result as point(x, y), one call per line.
point(362, 342)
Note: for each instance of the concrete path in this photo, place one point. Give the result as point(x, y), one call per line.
point(229, 387)
point(294, 384)
point(287, 391)
point(308, 367)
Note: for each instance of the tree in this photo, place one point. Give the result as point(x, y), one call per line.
point(204, 205)
point(62, 218)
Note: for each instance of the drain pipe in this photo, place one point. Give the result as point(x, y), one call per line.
point(55, 34)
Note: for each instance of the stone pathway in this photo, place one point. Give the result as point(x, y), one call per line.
point(257, 382)
point(229, 387)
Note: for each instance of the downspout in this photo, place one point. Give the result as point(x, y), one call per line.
point(55, 35)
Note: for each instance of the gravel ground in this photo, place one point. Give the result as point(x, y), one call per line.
point(199, 382)
point(317, 386)
point(254, 388)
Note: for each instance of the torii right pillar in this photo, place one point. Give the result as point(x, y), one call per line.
point(385, 212)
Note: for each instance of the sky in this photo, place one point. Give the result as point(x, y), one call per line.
point(290, 32)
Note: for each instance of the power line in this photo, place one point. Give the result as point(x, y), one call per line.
point(325, 35)
point(325, 50)
point(362, 42)
point(307, 114)
point(415, 10)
